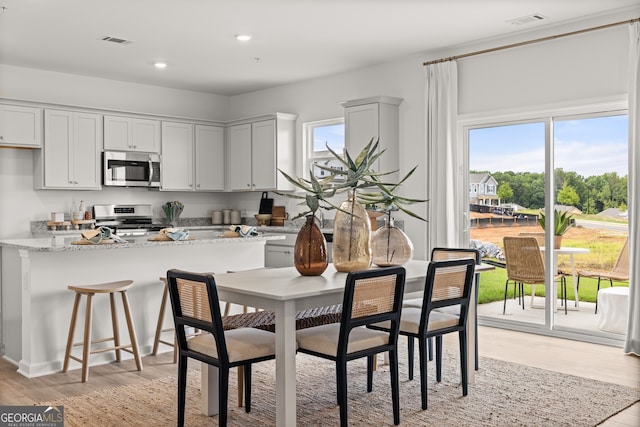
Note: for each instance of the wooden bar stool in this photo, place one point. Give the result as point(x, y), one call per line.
point(159, 327)
point(90, 290)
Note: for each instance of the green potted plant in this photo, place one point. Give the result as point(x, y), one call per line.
point(562, 221)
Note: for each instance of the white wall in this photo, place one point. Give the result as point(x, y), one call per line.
point(29, 84)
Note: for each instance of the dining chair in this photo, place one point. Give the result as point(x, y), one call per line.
point(195, 304)
point(448, 284)
point(619, 272)
point(525, 265)
point(442, 254)
point(370, 296)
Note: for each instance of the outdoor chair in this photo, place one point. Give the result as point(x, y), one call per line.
point(620, 271)
point(370, 296)
point(195, 304)
point(448, 284)
point(525, 265)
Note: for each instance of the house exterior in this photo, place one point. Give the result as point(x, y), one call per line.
point(483, 189)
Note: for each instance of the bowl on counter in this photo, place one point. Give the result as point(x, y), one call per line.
point(263, 219)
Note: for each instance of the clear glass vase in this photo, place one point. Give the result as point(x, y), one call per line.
point(390, 245)
point(351, 236)
point(310, 251)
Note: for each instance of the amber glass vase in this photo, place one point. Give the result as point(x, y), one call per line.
point(351, 236)
point(310, 251)
point(390, 245)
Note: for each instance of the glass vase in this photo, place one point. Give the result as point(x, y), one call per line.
point(390, 245)
point(310, 251)
point(351, 236)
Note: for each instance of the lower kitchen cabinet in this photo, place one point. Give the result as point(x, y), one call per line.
point(70, 157)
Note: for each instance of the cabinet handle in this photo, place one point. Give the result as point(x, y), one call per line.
point(1, 137)
point(198, 186)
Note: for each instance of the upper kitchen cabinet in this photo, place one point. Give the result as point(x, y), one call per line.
point(257, 148)
point(177, 156)
point(131, 134)
point(192, 163)
point(20, 126)
point(209, 158)
point(378, 118)
point(70, 156)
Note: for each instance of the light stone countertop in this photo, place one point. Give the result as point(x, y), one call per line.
point(62, 243)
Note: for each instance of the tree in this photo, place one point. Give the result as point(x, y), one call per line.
point(505, 192)
point(568, 196)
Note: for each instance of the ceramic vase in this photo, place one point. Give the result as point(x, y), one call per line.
point(351, 236)
point(310, 251)
point(390, 245)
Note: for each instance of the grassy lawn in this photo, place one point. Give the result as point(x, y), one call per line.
point(604, 247)
point(492, 287)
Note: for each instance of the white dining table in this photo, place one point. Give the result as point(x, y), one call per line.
point(285, 292)
point(571, 252)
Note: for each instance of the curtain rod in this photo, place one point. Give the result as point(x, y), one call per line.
point(543, 39)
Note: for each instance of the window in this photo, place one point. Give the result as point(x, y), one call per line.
point(320, 135)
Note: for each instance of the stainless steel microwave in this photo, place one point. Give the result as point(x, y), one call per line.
point(128, 169)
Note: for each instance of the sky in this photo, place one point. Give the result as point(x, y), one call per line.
point(589, 147)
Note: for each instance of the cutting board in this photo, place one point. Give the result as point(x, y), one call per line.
point(89, 242)
point(163, 238)
point(266, 204)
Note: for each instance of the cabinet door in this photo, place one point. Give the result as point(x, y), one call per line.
point(20, 126)
point(117, 133)
point(263, 155)
point(57, 156)
point(278, 256)
point(177, 156)
point(239, 155)
point(209, 160)
point(145, 135)
point(86, 149)
point(361, 124)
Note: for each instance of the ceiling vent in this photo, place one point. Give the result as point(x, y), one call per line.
point(115, 40)
point(527, 19)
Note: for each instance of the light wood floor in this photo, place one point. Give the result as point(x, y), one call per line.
point(587, 360)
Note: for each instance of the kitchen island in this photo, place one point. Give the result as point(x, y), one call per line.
point(36, 304)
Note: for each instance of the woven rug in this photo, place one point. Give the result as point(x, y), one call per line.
point(503, 394)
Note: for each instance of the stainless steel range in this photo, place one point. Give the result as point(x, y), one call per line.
point(126, 220)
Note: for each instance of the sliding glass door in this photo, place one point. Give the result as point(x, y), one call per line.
point(509, 188)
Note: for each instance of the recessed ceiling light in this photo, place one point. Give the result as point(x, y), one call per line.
point(160, 65)
point(243, 37)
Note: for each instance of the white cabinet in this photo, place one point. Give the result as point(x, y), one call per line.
point(70, 157)
point(131, 134)
point(177, 156)
point(20, 126)
point(376, 118)
point(279, 253)
point(209, 158)
point(192, 157)
point(257, 148)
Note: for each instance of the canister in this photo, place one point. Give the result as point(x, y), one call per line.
point(226, 216)
point(216, 217)
point(235, 217)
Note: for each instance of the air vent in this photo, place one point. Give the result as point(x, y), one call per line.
point(115, 40)
point(527, 19)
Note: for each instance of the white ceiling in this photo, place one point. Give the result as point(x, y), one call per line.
point(293, 40)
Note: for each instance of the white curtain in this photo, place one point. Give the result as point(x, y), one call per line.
point(632, 343)
point(444, 162)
